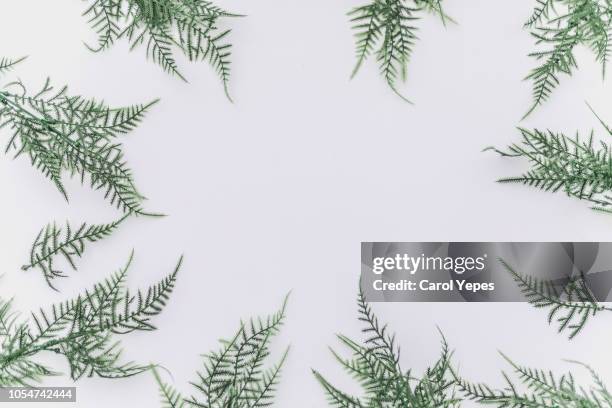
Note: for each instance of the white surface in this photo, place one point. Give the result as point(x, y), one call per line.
point(276, 191)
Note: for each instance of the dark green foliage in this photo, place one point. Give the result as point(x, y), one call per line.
point(83, 330)
point(581, 168)
point(570, 306)
point(539, 389)
point(387, 28)
point(162, 26)
point(61, 133)
point(70, 134)
point(375, 364)
point(67, 243)
point(558, 26)
point(235, 376)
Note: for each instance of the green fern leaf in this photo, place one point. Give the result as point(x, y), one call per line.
point(170, 397)
point(541, 12)
point(375, 365)
point(164, 27)
point(6, 64)
point(579, 167)
point(570, 307)
point(558, 26)
point(82, 330)
point(68, 134)
point(386, 28)
point(235, 376)
point(537, 388)
point(68, 243)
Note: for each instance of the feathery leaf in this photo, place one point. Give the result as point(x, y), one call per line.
point(580, 167)
point(6, 64)
point(235, 376)
point(375, 365)
point(163, 26)
point(68, 243)
point(62, 133)
point(570, 304)
point(386, 28)
point(538, 388)
point(82, 330)
point(558, 26)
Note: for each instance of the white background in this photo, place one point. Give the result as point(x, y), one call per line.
point(276, 192)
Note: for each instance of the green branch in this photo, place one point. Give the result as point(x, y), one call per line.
point(163, 27)
point(536, 388)
point(580, 167)
point(83, 330)
point(386, 28)
point(558, 26)
point(375, 365)
point(235, 376)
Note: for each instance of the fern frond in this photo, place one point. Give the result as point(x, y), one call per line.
point(377, 340)
point(336, 397)
point(158, 44)
point(436, 388)
point(580, 167)
point(235, 376)
point(558, 26)
point(559, 60)
point(70, 134)
point(541, 12)
point(375, 365)
point(17, 371)
point(82, 330)
point(261, 393)
point(170, 397)
point(105, 19)
point(6, 64)
point(435, 7)
point(164, 27)
point(570, 306)
point(536, 388)
point(386, 28)
point(68, 243)
point(368, 29)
